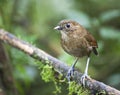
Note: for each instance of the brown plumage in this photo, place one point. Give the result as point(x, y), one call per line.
point(76, 41)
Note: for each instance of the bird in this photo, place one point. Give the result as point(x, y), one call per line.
point(77, 42)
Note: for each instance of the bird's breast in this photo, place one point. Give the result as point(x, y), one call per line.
point(75, 47)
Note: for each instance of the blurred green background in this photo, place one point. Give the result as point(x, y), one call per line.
point(34, 20)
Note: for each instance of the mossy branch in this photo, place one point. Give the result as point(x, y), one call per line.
point(92, 85)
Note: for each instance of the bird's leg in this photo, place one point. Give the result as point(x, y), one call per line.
point(71, 70)
point(85, 75)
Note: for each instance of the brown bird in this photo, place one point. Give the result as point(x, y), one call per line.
point(78, 42)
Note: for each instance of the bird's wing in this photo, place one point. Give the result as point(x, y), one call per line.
point(92, 42)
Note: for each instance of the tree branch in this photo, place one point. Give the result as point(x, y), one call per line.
point(91, 84)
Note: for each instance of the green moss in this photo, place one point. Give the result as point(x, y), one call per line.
point(102, 92)
point(57, 87)
point(47, 73)
point(39, 64)
point(74, 88)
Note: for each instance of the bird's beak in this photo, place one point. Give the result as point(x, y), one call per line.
point(58, 28)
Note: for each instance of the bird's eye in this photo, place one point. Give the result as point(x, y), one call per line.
point(68, 25)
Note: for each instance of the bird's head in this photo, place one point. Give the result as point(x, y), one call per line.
point(67, 26)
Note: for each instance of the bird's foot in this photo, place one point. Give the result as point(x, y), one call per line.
point(83, 79)
point(70, 73)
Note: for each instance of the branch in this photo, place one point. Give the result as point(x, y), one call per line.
point(91, 84)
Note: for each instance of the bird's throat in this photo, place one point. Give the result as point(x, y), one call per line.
point(64, 36)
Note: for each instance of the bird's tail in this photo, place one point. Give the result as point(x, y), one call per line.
point(95, 51)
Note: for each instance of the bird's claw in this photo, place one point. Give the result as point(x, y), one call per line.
point(70, 73)
point(83, 79)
